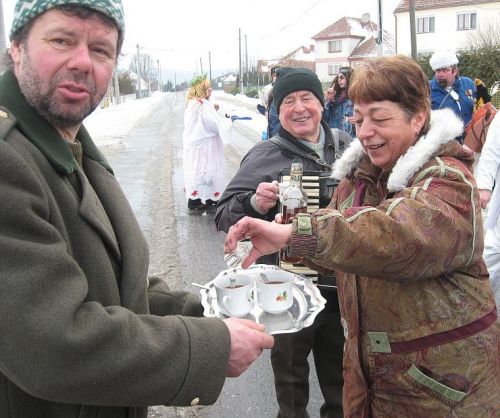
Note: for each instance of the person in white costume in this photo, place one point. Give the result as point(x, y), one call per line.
point(488, 182)
point(203, 147)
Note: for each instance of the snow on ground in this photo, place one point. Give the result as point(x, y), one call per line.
point(241, 106)
point(108, 126)
point(240, 98)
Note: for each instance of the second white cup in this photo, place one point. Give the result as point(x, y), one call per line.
point(276, 296)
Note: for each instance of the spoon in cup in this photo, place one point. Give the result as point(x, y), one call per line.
point(264, 277)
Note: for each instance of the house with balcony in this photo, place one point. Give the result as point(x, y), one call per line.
point(347, 42)
point(443, 24)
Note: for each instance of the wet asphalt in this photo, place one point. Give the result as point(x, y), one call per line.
point(185, 246)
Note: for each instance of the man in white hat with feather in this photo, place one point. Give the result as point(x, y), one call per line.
point(448, 89)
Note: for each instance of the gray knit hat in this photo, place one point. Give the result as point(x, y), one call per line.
point(295, 79)
point(27, 10)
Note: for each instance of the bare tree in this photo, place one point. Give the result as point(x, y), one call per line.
point(480, 55)
point(486, 37)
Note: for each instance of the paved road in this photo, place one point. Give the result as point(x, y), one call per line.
point(184, 245)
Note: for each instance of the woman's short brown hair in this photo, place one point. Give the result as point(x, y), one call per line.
point(396, 78)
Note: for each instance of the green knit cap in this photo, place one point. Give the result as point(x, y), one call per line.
point(27, 10)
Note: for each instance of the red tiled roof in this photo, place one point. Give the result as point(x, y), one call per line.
point(369, 48)
point(365, 48)
point(342, 28)
point(291, 59)
point(300, 64)
point(295, 52)
point(404, 5)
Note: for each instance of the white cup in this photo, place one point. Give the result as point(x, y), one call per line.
point(276, 296)
point(282, 187)
point(234, 301)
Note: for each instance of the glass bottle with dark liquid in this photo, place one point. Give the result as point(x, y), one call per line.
point(294, 201)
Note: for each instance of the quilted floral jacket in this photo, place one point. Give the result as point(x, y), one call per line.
point(421, 327)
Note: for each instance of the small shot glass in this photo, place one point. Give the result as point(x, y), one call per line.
point(236, 257)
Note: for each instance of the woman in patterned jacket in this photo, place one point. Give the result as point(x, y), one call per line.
point(404, 234)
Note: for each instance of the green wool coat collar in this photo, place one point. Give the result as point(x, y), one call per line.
point(41, 133)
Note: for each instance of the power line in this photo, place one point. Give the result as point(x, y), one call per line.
point(299, 17)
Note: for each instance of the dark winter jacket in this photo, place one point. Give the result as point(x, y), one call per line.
point(84, 333)
point(263, 163)
point(273, 120)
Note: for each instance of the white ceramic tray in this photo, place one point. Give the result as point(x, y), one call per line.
point(307, 303)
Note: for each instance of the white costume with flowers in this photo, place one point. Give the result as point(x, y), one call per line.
point(488, 178)
point(203, 150)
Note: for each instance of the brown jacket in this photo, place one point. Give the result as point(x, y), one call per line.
point(82, 333)
point(422, 335)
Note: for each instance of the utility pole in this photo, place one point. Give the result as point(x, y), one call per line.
point(209, 67)
point(380, 36)
point(3, 45)
point(246, 58)
point(201, 67)
point(138, 95)
point(116, 86)
point(413, 35)
point(159, 82)
point(239, 49)
point(161, 78)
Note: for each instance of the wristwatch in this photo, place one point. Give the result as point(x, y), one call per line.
point(302, 224)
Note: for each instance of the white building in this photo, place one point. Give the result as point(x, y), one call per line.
point(143, 84)
point(346, 42)
point(443, 24)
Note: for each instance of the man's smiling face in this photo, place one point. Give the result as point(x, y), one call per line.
point(300, 114)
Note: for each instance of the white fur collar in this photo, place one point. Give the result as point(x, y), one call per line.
point(445, 126)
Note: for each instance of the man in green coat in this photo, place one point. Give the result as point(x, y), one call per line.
point(84, 332)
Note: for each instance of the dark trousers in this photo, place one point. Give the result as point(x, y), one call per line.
point(291, 369)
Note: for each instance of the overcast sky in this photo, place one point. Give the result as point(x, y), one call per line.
point(179, 33)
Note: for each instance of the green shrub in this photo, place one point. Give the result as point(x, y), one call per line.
point(253, 93)
point(423, 61)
